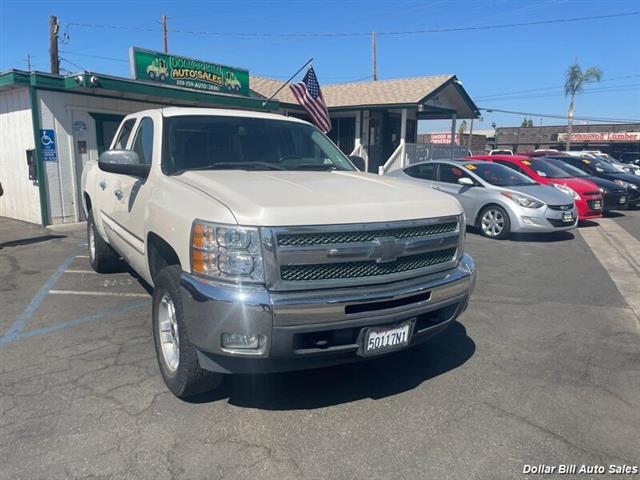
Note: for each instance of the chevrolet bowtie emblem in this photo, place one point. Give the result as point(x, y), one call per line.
point(387, 249)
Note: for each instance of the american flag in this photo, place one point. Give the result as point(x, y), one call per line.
point(310, 97)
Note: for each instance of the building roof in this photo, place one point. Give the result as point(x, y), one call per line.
point(401, 91)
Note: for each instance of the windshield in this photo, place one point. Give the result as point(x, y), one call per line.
point(570, 169)
point(498, 175)
point(602, 166)
point(207, 142)
point(546, 169)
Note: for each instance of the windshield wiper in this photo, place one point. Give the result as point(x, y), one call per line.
point(311, 166)
point(241, 166)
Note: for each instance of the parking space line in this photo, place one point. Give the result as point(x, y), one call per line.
point(619, 254)
point(36, 301)
point(79, 271)
point(70, 323)
point(82, 256)
point(102, 294)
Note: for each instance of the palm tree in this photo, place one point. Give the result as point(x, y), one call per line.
point(574, 84)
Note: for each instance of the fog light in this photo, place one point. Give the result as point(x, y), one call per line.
point(528, 220)
point(241, 341)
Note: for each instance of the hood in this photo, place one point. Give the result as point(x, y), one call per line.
point(627, 177)
point(604, 183)
point(285, 198)
point(580, 185)
point(548, 194)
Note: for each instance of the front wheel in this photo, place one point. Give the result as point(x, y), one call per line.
point(494, 222)
point(177, 356)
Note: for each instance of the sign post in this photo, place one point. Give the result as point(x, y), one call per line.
point(187, 72)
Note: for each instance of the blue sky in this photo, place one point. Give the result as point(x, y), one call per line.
point(488, 62)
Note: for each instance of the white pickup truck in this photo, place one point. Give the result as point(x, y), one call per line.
point(266, 248)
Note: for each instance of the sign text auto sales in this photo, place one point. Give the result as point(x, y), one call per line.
point(187, 72)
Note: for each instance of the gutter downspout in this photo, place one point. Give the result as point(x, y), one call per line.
point(35, 121)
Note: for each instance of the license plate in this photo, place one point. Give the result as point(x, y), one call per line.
point(567, 217)
point(623, 200)
point(384, 339)
point(597, 205)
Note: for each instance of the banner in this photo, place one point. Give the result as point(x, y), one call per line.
point(601, 137)
point(187, 72)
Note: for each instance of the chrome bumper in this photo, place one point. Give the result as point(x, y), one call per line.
point(290, 321)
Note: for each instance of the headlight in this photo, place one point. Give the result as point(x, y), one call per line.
point(523, 200)
point(603, 191)
point(226, 252)
point(626, 184)
point(567, 190)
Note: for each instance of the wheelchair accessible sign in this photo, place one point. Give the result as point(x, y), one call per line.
point(48, 145)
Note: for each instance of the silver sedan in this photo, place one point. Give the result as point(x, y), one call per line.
point(497, 199)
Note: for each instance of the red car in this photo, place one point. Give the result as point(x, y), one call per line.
point(585, 193)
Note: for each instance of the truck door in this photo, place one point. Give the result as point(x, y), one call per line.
point(131, 198)
point(107, 185)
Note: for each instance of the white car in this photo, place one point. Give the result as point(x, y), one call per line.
point(266, 248)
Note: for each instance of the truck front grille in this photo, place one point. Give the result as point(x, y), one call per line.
point(365, 269)
point(331, 238)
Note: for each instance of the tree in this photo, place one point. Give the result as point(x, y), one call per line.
point(525, 122)
point(575, 80)
point(530, 122)
point(461, 129)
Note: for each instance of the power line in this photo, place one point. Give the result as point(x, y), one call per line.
point(562, 117)
point(355, 34)
point(495, 95)
point(619, 88)
point(94, 56)
point(72, 64)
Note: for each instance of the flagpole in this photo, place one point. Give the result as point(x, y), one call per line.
point(287, 82)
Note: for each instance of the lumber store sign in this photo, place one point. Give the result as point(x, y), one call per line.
point(187, 72)
point(601, 137)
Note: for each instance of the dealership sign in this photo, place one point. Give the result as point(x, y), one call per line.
point(187, 72)
point(601, 137)
point(441, 138)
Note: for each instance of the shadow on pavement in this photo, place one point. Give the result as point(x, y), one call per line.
point(375, 379)
point(30, 241)
point(549, 237)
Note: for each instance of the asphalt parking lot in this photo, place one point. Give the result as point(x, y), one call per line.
point(543, 368)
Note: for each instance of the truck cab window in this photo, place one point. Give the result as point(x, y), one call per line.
point(143, 145)
point(124, 134)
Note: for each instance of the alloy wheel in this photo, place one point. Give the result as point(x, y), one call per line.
point(168, 330)
point(492, 222)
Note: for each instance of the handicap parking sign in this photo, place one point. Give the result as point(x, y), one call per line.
point(48, 145)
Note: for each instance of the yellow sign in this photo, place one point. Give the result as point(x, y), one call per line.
point(470, 166)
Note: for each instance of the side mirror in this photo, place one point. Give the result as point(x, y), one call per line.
point(466, 181)
point(358, 162)
point(124, 162)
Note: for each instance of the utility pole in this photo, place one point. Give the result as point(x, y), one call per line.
point(54, 60)
point(28, 60)
point(374, 60)
point(165, 48)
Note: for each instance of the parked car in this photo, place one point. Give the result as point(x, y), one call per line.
point(600, 168)
point(586, 194)
point(623, 167)
point(501, 152)
point(614, 196)
point(266, 248)
point(496, 199)
point(632, 158)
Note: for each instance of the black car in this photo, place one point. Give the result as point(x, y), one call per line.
point(602, 169)
point(614, 196)
point(630, 157)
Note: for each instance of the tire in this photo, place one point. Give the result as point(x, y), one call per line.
point(176, 355)
point(152, 75)
point(162, 77)
point(494, 222)
point(102, 257)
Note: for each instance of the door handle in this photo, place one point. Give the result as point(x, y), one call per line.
point(119, 194)
point(102, 184)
